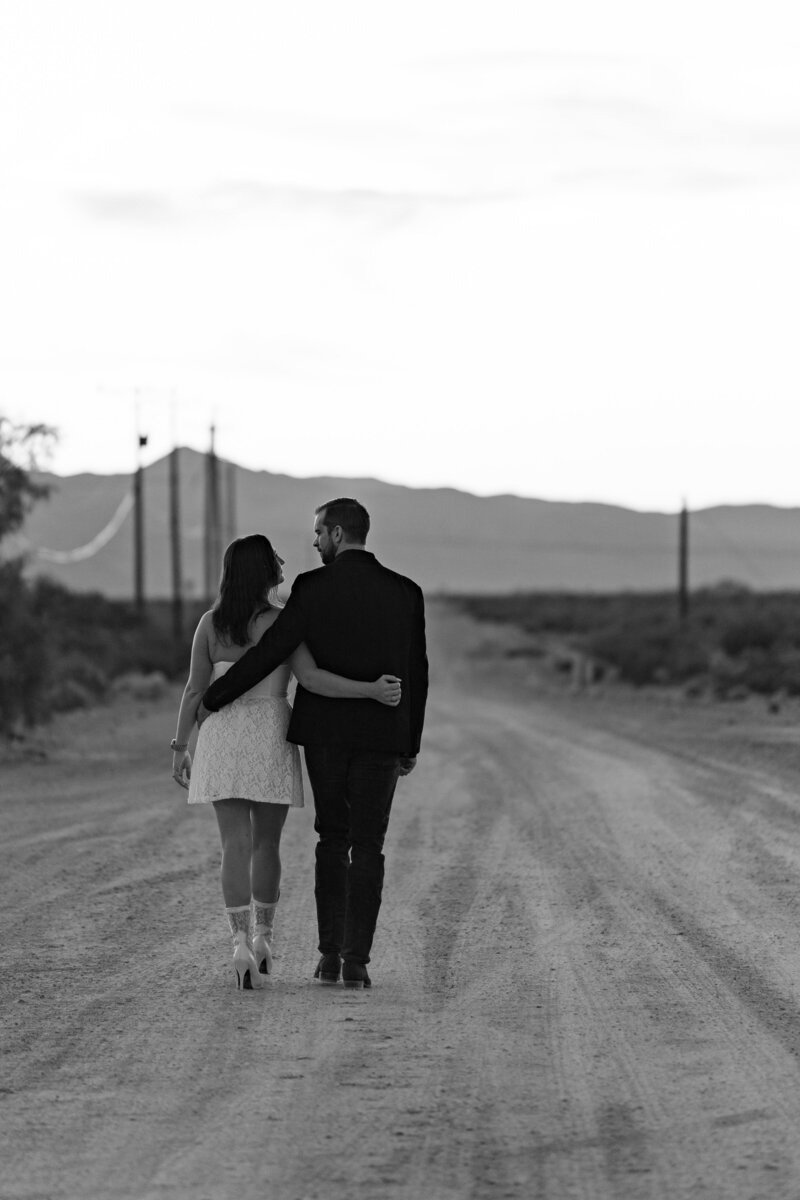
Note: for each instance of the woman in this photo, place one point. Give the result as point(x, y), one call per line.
point(243, 764)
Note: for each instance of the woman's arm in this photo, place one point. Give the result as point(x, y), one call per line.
point(385, 690)
point(200, 669)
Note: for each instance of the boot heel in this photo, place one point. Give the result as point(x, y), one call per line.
point(243, 983)
point(329, 968)
point(263, 924)
point(248, 978)
point(263, 954)
point(354, 975)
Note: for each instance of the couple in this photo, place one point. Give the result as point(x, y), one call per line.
point(360, 729)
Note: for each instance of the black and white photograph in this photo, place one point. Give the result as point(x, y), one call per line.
point(399, 600)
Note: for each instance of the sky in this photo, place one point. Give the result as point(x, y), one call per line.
point(546, 249)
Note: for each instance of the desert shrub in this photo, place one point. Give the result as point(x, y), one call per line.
point(790, 672)
point(112, 633)
point(25, 651)
point(85, 672)
point(548, 612)
point(740, 640)
point(62, 649)
point(762, 669)
point(66, 695)
point(650, 655)
point(765, 670)
point(139, 685)
point(753, 632)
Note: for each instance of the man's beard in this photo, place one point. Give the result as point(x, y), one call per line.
point(327, 555)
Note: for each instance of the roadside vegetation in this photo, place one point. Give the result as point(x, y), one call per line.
point(733, 641)
point(59, 649)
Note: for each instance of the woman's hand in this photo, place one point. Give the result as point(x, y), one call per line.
point(182, 767)
point(387, 690)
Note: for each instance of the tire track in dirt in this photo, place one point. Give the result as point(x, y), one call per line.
point(612, 903)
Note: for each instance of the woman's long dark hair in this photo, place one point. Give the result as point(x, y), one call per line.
point(249, 572)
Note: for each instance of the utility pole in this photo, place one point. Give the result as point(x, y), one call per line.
point(175, 543)
point(230, 505)
point(683, 564)
point(213, 549)
point(138, 521)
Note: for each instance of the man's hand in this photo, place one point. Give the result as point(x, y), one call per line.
point(406, 766)
point(202, 713)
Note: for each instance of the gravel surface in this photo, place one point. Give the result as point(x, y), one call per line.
point(586, 972)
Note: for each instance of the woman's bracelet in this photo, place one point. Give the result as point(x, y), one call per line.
point(178, 749)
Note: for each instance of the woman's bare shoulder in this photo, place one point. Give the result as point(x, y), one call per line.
point(261, 623)
point(205, 626)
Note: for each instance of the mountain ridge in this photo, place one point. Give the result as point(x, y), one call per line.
point(447, 539)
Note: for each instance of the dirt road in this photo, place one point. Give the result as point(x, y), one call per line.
point(587, 968)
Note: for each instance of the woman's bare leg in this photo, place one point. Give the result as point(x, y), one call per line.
point(265, 867)
point(236, 835)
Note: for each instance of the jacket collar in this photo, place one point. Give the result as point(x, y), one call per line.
point(353, 556)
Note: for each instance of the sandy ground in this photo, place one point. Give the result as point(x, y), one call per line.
point(586, 974)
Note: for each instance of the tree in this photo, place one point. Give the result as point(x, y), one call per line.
point(22, 448)
point(25, 656)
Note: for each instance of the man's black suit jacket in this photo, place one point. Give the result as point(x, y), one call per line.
point(358, 619)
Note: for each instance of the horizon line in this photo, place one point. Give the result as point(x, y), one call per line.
point(437, 487)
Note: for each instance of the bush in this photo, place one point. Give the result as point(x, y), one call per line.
point(650, 655)
point(67, 695)
point(750, 633)
point(764, 671)
point(139, 686)
point(77, 667)
point(736, 639)
point(62, 650)
point(25, 651)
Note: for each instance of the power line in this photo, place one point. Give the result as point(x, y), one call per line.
point(80, 553)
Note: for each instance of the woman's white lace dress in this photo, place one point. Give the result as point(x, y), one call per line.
point(242, 750)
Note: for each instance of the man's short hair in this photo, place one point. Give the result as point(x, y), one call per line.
point(352, 516)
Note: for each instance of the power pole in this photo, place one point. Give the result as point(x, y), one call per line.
point(213, 549)
point(138, 524)
point(230, 506)
point(683, 564)
point(175, 544)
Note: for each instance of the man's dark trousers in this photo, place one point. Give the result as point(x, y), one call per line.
point(353, 792)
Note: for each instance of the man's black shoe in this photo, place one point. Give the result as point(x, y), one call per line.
point(354, 975)
point(328, 968)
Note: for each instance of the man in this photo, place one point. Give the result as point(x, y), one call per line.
point(359, 619)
